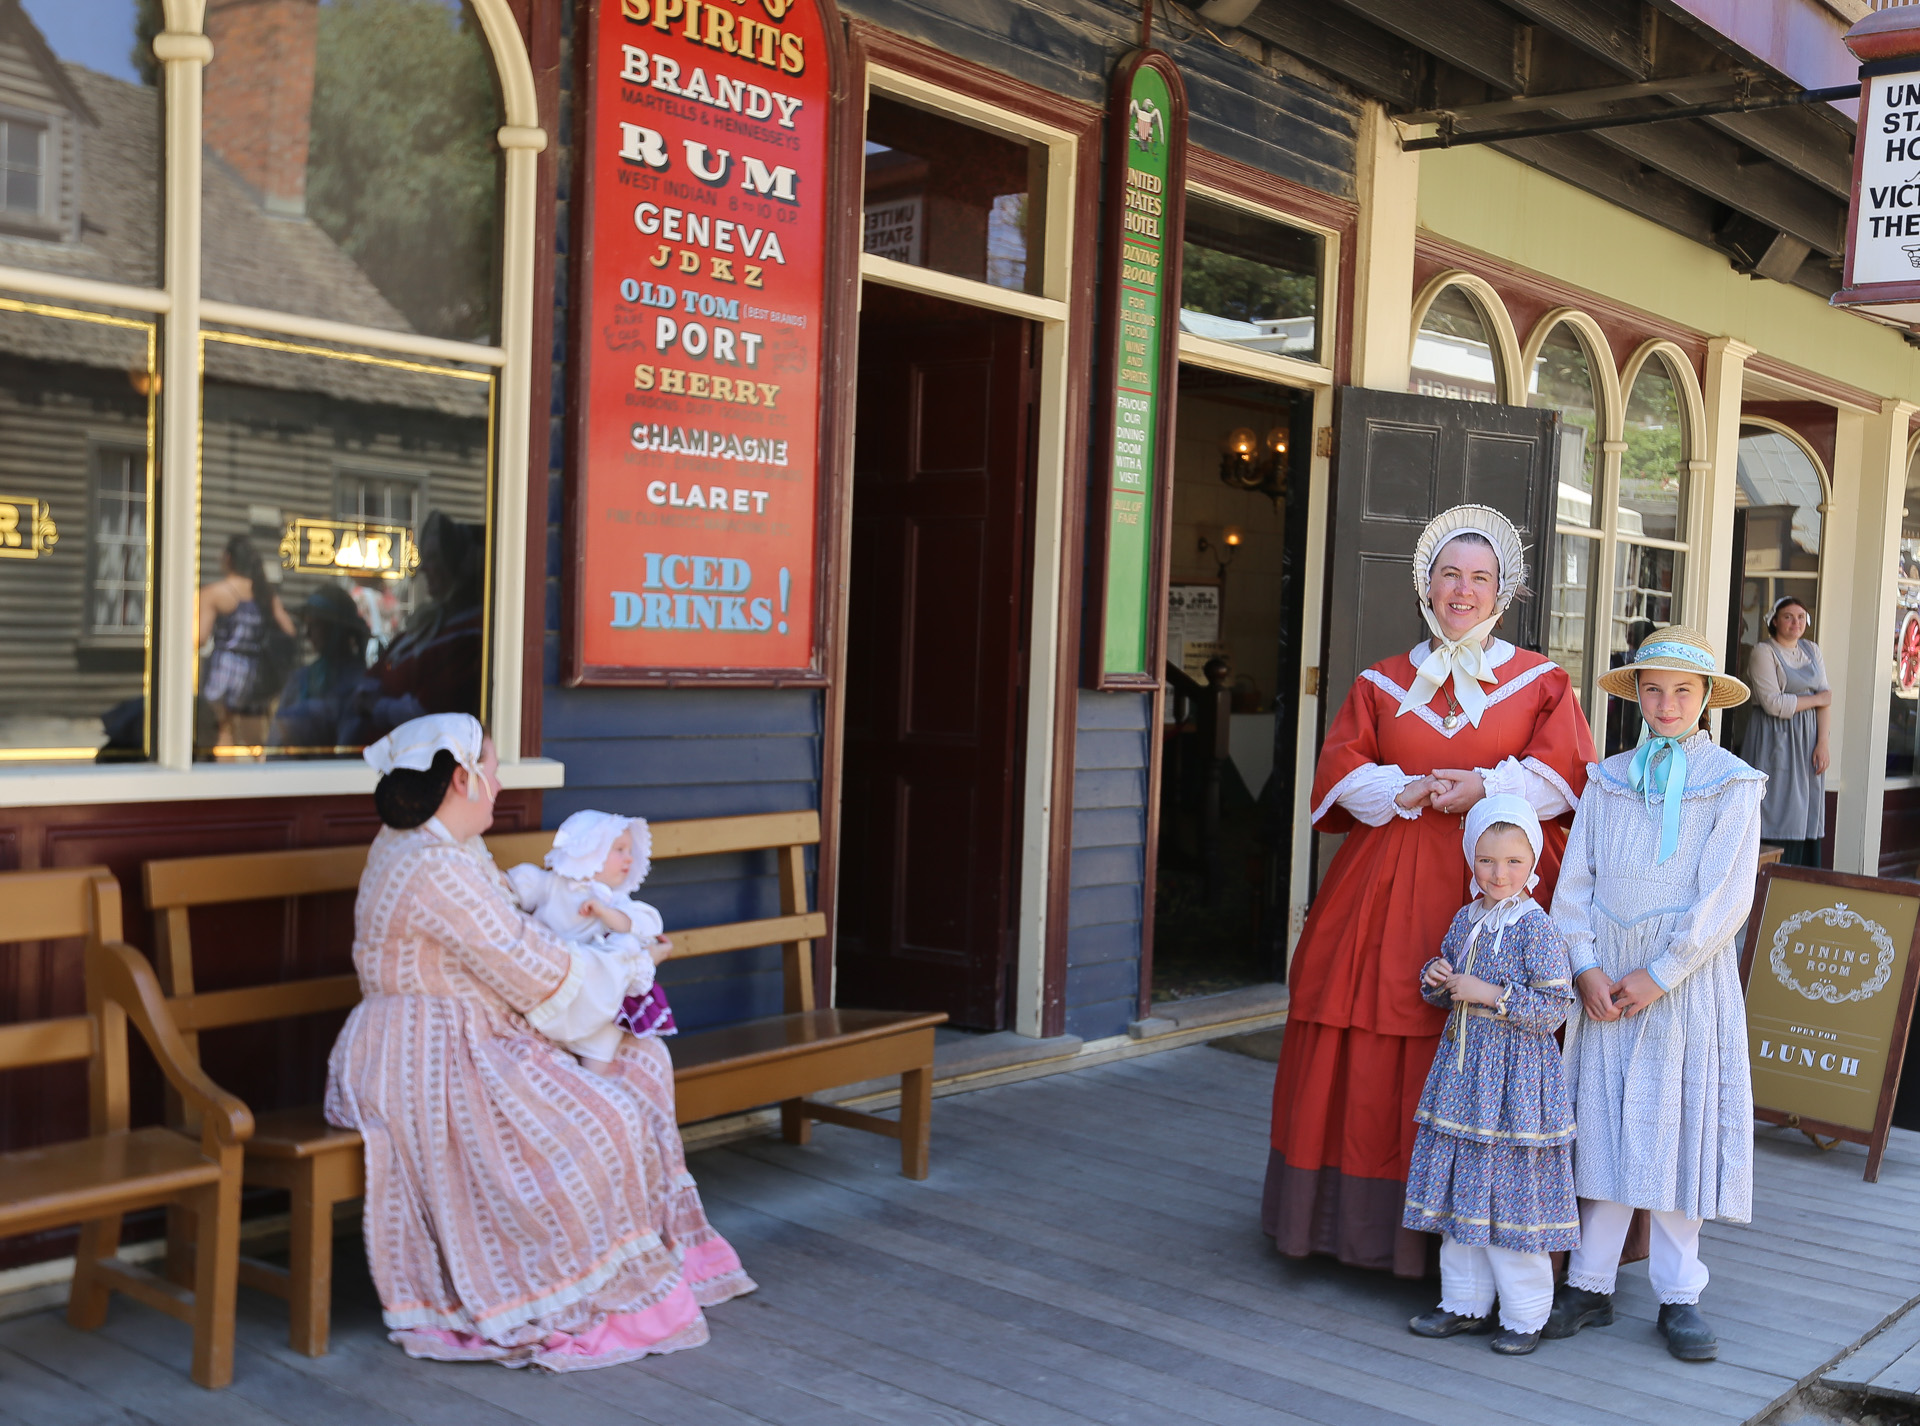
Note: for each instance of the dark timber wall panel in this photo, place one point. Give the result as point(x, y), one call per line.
point(1109, 870)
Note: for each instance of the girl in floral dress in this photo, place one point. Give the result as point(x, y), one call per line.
point(1492, 1169)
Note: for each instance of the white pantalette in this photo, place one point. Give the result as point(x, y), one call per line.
point(1472, 1275)
point(1673, 1264)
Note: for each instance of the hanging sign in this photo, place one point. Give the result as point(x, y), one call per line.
point(1883, 219)
point(348, 547)
point(694, 503)
point(1145, 201)
point(1830, 970)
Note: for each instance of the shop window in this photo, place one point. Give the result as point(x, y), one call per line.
point(1778, 494)
point(75, 430)
point(1562, 380)
point(1250, 280)
point(80, 139)
point(1903, 726)
point(945, 195)
point(118, 557)
point(1453, 351)
point(381, 576)
point(351, 169)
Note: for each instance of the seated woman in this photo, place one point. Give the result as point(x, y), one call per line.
point(519, 1208)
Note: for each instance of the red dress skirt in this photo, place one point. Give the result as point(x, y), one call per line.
point(1359, 1038)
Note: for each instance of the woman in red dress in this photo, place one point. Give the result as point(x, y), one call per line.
point(1421, 738)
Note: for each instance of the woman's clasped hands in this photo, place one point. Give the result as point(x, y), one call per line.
point(1452, 790)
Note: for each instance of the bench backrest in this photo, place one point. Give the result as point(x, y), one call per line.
point(174, 887)
point(49, 906)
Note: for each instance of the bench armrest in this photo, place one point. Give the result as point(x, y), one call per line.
point(119, 973)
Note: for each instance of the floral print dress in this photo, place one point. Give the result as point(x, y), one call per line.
point(1492, 1157)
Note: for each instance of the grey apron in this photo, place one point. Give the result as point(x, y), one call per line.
point(1795, 807)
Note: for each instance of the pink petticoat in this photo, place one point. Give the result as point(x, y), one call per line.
point(711, 1273)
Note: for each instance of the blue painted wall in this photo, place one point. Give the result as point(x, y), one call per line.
point(1109, 880)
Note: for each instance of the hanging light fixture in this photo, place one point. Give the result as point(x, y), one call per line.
point(1249, 461)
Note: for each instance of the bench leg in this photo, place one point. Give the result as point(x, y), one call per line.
point(310, 1263)
point(87, 1299)
point(216, 1280)
point(795, 1126)
point(916, 1120)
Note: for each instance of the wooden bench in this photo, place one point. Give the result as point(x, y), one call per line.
point(117, 1170)
point(780, 1059)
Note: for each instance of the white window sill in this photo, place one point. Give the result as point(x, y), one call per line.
point(72, 785)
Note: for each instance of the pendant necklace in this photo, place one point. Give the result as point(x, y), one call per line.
point(1452, 720)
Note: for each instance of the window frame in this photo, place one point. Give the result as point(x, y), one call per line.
point(42, 221)
point(184, 51)
point(1825, 477)
point(99, 449)
point(1509, 381)
point(1267, 366)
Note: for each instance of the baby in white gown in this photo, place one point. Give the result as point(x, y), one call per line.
point(585, 895)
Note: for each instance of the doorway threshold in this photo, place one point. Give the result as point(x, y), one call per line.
point(1226, 1011)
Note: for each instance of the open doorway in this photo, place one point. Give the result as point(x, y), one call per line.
point(1237, 560)
point(936, 658)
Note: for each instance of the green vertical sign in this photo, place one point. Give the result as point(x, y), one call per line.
point(1145, 245)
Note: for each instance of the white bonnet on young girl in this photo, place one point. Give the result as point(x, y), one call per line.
point(1503, 807)
point(584, 841)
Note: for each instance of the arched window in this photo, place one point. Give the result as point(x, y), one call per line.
point(1456, 350)
point(331, 417)
point(1903, 710)
point(1563, 378)
point(1779, 494)
point(1649, 563)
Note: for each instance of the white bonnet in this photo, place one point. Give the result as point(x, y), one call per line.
point(581, 846)
point(1504, 807)
point(413, 744)
point(1489, 524)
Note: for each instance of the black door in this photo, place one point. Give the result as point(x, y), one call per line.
point(1399, 460)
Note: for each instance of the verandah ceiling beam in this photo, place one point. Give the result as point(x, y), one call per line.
point(1476, 37)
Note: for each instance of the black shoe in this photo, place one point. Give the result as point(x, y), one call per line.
point(1688, 1336)
point(1441, 1323)
point(1510, 1343)
point(1574, 1308)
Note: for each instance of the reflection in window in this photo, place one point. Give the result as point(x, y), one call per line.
point(1562, 380)
point(1903, 726)
point(1777, 499)
point(944, 195)
point(1646, 590)
point(80, 139)
point(1453, 354)
point(1570, 611)
point(361, 483)
point(1653, 470)
point(352, 168)
point(75, 432)
point(1250, 281)
point(119, 553)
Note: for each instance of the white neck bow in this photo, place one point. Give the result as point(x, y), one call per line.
point(1463, 660)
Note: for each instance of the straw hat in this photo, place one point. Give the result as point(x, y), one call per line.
point(1683, 649)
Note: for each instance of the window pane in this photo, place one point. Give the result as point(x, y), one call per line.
point(353, 491)
point(1570, 612)
point(1652, 472)
point(1452, 353)
point(1903, 726)
point(1646, 592)
point(75, 433)
point(352, 170)
point(81, 192)
point(1249, 280)
point(1562, 380)
point(944, 195)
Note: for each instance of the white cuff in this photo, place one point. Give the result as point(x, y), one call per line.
point(1368, 793)
point(587, 999)
point(1544, 789)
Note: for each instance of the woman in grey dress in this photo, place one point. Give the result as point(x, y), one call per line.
point(1786, 735)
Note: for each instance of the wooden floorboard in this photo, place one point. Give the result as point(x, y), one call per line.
point(1086, 1253)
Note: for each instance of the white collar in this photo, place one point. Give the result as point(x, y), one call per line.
point(1496, 656)
point(439, 829)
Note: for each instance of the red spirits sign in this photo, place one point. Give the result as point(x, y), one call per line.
point(704, 245)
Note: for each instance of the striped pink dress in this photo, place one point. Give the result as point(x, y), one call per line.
point(519, 1208)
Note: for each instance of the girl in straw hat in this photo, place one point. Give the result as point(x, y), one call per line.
point(1657, 881)
point(1421, 738)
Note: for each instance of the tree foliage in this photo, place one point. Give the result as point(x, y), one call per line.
point(1225, 285)
point(403, 171)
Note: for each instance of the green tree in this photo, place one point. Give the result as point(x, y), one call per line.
point(1225, 285)
point(403, 171)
